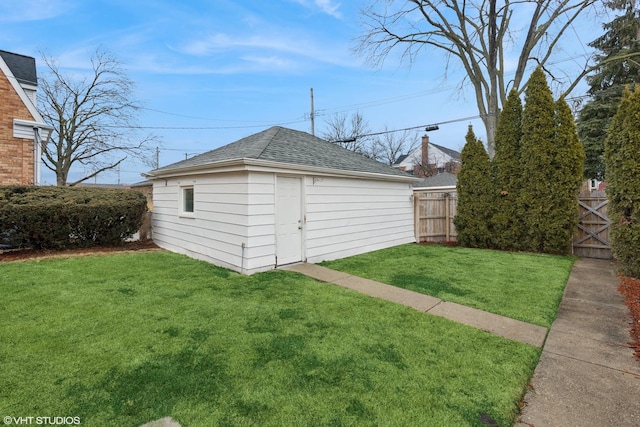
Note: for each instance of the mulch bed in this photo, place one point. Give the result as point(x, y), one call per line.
point(630, 288)
point(26, 254)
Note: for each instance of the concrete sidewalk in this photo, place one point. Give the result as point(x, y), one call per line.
point(587, 374)
point(492, 323)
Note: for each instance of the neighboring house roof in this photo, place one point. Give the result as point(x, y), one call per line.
point(286, 146)
point(438, 156)
point(451, 153)
point(145, 183)
point(401, 159)
point(25, 67)
point(22, 67)
point(443, 179)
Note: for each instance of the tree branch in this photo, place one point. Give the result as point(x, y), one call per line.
point(95, 173)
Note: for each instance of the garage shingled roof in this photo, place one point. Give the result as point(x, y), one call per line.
point(279, 144)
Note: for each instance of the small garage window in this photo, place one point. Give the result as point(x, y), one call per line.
point(187, 202)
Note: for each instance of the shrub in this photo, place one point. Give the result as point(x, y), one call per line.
point(622, 163)
point(552, 160)
point(564, 185)
point(536, 152)
point(507, 175)
point(63, 217)
point(475, 195)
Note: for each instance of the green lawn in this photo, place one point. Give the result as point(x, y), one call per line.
point(522, 286)
point(125, 339)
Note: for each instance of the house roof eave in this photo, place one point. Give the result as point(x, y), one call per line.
point(274, 166)
point(444, 187)
point(21, 93)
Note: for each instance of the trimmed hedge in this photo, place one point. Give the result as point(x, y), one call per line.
point(66, 217)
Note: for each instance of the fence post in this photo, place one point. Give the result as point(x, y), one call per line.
point(447, 214)
point(416, 216)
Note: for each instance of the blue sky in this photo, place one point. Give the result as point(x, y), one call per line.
point(239, 67)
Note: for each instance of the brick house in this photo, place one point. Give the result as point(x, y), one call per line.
point(20, 123)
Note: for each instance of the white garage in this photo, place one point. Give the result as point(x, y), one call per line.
point(278, 197)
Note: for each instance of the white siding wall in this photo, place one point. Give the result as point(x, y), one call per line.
point(261, 231)
point(350, 216)
point(232, 224)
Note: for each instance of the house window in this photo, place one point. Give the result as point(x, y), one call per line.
point(187, 205)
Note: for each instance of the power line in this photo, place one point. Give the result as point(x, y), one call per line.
point(334, 110)
point(428, 127)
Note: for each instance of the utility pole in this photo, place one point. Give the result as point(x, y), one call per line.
point(313, 114)
point(157, 157)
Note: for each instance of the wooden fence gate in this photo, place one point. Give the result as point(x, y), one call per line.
point(433, 214)
point(592, 238)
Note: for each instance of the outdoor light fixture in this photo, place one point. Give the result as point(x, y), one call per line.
point(431, 127)
point(344, 141)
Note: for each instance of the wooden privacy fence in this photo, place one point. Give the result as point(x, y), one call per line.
point(434, 210)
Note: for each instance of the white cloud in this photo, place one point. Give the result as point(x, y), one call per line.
point(223, 42)
point(32, 10)
point(330, 7)
point(270, 62)
point(269, 46)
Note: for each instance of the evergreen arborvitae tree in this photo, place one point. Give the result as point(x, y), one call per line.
point(552, 163)
point(536, 153)
point(507, 175)
point(567, 160)
point(475, 195)
point(622, 160)
point(618, 65)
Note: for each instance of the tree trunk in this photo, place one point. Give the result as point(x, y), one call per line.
point(490, 123)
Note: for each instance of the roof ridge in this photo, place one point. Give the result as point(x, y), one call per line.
point(17, 54)
point(277, 130)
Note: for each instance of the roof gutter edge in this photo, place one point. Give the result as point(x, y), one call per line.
point(248, 163)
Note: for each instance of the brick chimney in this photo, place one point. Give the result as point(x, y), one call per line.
point(424, 161)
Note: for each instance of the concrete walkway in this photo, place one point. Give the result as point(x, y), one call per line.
point(587, 374)
point(492, 323)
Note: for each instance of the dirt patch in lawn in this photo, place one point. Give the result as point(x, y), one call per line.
point(630, 288)
point(27, 254)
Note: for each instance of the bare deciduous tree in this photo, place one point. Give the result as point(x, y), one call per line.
point(480, 34)
point(348, 132)
point(93, 119)
point(389, 145)
point(353, 133)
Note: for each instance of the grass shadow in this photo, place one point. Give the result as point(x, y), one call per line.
point(427, 285)
point(151, 389)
